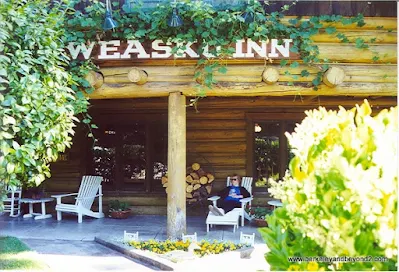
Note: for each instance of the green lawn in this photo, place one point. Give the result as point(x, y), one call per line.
point(16, 255)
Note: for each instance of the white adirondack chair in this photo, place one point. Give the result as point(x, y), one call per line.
point(191, 237)
point(12, 202)
point(246, 182)
point(248, 239)
point(85, 197)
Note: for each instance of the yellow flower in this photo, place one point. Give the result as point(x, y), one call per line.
point(313, 266)
point(339, 265)
point(294, 267)
point(345, 252)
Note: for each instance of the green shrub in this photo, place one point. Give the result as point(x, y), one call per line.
point(340, 195)
point(260, 212)
point(116, 205)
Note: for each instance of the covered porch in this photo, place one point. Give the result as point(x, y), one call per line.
point(148, 226)
point(221, 137)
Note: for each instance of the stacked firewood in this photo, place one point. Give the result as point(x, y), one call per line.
point(198, 183)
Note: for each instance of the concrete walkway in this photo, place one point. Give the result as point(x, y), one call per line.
point(83, 256)
point(41, 234)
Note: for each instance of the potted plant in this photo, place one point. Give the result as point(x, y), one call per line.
point(119, 209)
point(35, 192)
point(259, 216)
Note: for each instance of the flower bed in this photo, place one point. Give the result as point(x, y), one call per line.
point(207, 247)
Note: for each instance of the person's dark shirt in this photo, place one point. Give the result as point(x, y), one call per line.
point(224, 194)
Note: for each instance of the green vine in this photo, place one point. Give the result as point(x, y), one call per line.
point(207, 25)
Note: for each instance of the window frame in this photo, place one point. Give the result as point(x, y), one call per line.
point(283, 118)
point(120, 124)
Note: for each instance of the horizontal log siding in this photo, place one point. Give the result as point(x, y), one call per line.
point(67, 175)
point(363, 75)
point(216, 137)
point(217, 140)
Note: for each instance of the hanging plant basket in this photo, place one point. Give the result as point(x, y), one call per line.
point(120, 214)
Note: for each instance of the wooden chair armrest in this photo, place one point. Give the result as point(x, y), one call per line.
point(59, 196)
point(213, 198)
point(87, 197)
point(246, 200)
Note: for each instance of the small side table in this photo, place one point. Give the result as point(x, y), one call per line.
point(32, 201)
point(275, 203)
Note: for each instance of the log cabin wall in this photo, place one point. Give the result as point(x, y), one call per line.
point(66, 173)
point(367, 72)
point(217, 138)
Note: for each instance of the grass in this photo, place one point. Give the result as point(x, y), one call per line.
point(16, 255)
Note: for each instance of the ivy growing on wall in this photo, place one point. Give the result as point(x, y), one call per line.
point(207, 25)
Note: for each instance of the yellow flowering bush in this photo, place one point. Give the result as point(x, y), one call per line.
point(341, 190)
point(207, 247)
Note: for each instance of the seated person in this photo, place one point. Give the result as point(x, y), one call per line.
point(230, 197)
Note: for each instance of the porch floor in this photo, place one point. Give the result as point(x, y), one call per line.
point(68, 231)
point(148, 226)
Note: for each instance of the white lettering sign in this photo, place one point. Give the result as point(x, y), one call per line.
point(104, 49)
point(284, 50)
point(135, 47)
point(157, 46)
point(157, 49)
point(74, 51)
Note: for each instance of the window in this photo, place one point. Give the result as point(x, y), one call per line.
point(103, 156)
point(267, 145)
point(271, 150)
point(131, 156)
point(268, 150)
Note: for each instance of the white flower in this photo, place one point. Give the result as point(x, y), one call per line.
point(352, 167)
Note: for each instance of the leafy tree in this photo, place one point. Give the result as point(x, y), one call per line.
point(37, 105)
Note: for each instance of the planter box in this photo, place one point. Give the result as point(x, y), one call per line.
point(260, 223)
point(120, 214)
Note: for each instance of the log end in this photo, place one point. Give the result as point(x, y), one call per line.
point(95, 79)
point(270, 75)
point(195, 166)
point(334, 76)
point(137, 76)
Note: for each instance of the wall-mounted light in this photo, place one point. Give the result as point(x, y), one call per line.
point(258, 128)
point(249, 17)
point(175, 20)
point(109, 23)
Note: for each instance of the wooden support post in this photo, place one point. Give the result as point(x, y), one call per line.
point(176, 225)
